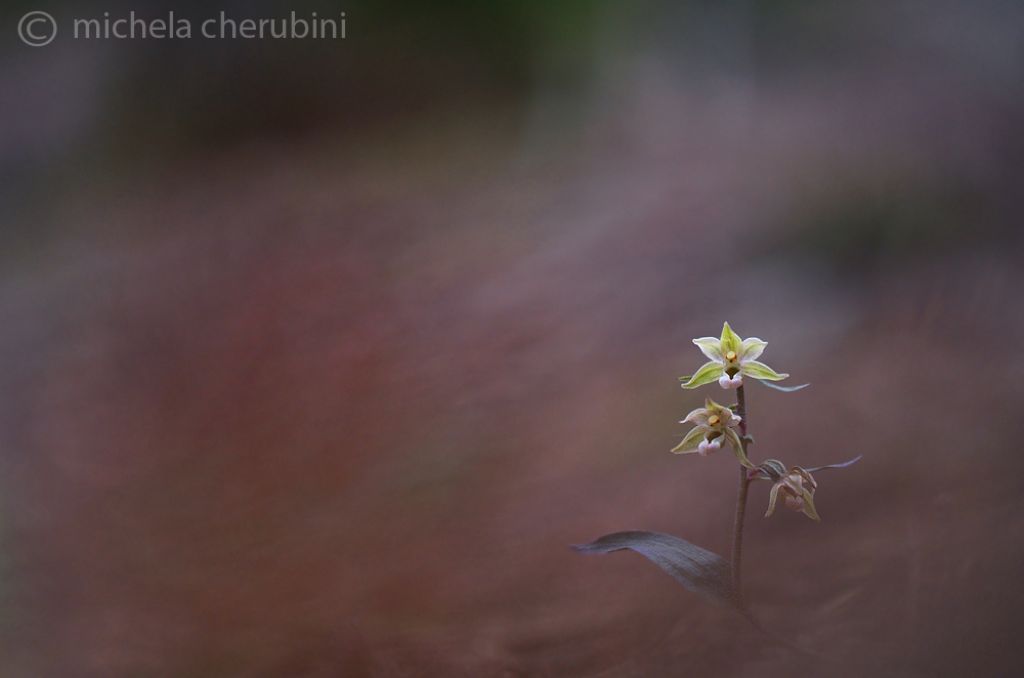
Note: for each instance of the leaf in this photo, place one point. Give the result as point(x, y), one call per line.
point(697, 569)
point(844, 464)
point(784, 389)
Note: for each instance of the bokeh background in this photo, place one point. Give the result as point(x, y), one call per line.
point(315, 356)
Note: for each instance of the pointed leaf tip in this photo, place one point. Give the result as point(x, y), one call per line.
point(784, 389)
point(842, 464)
point(697, 569)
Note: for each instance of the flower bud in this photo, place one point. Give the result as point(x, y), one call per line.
point(797, 489)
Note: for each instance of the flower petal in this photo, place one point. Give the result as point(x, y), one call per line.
point(759, 370)
point(690, 441)
point(774, 468)
point(698, 416)
point(730, 340)
point(751, 349)
point(772, 496)
point(711, 347)
point(737, 446)
point(809, 509)
point(715, 408)
point(708, 372)
point(807, 477)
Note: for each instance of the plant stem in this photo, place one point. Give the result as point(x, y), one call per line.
point(741, 505)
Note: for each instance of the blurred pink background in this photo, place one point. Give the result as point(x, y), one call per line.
point(315, 358)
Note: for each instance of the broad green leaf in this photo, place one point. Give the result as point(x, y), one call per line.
point(759, 370)
point(697, 569)
point(708, 372)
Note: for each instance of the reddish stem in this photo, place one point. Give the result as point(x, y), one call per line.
point(741, 504)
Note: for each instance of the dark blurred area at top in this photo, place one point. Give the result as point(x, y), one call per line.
point(398, 59)
point(103, 107)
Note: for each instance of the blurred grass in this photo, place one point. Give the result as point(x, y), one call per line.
point(871, 227)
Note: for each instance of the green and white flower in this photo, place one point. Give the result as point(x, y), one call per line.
point(729, 359)
point(713, 425)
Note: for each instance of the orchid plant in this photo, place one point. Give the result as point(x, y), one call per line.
point(730, 358)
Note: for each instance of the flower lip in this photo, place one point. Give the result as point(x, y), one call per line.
point(794, 502)
point(732, 378)
point(707, 446)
